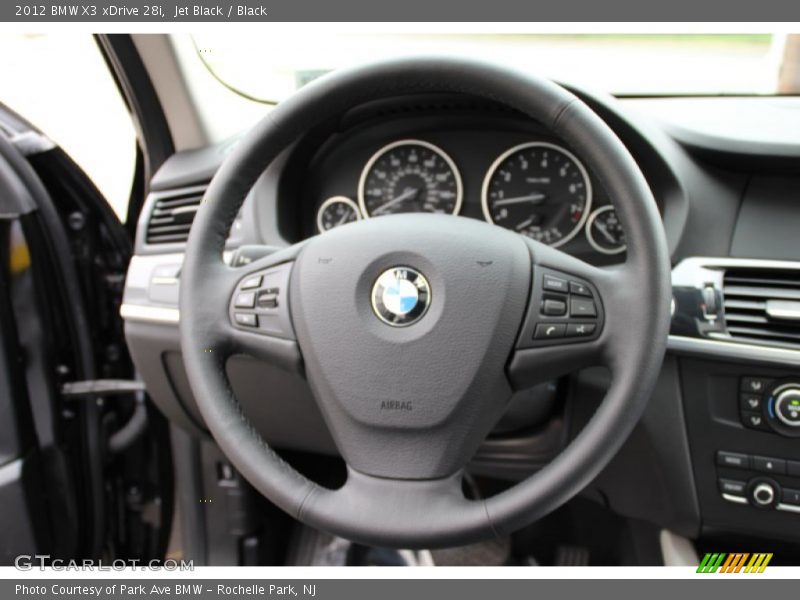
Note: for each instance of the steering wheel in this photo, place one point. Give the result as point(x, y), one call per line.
point(414, 330)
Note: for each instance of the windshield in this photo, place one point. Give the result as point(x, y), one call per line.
point(261, 69)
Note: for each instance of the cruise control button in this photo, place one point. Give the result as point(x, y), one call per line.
point(754, 385)
point(245, 300)
point(580, 307)
point(554, 308)
point(750, 402)
point(549, 330)
point(580, 329)
point(251, 282)
point(555, 284)
point(733, 459)
point(791, 497)
point(754, 420)
point(732, 486)
point(246, 319)
point(268, 298)
point(769, 465)
point(579, 289)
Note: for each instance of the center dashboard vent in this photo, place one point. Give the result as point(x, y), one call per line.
point(762, 306)
point(172, 217)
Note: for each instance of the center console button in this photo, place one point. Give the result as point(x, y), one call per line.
point(763, 494)
point(750, 402)
point(733, 487)
point(791, 497)
point(755, 420)
point(769, 465)
point(733, 459)
point(754, 385)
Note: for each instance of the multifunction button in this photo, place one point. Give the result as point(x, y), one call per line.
point(251, 282)
point(246, 319)
point(580, 307)
point(580, 329)
point(579, 289)
point(555, 308)
point(268, 298)
point(547, 331)
point(245, 300)
point(555, 284)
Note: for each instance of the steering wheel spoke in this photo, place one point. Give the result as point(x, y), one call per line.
point(565, 325)
point(248, 309)
point(389, 505)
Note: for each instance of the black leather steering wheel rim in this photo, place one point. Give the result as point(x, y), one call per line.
point(419, 510)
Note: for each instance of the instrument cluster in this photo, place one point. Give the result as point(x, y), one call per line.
point(536, 188)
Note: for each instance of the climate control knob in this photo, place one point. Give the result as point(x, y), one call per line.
point(787, 405)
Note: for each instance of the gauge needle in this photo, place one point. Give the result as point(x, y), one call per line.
point(536, 198)
point(343, 220)
point(524, 224)
point(409, 193)
point(604, 230)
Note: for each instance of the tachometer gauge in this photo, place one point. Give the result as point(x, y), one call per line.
point(409, 176)
point(539, 190)
point(336, 211)
point(604, 231)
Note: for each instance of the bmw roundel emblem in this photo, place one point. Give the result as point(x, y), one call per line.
point(401, 296)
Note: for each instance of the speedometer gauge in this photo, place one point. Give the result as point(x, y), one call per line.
point(409, 176)
point(539, 190)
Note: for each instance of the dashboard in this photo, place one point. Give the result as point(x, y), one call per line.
point(729, 208)
point(504, 170)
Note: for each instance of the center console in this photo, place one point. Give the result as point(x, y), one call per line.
point(738, 335)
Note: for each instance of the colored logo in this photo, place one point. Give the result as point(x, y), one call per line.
point(400, 296)
point(738, 562)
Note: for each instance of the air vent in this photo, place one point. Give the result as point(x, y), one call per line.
point(763, 306)
point(172, 216)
